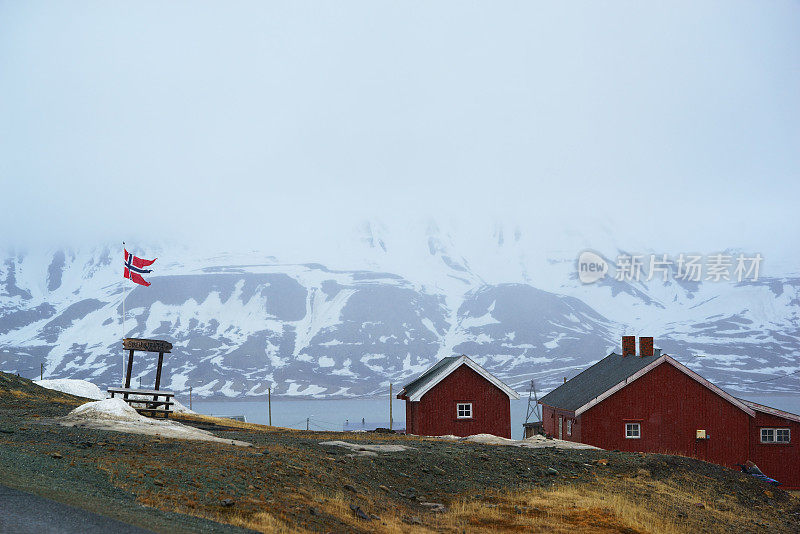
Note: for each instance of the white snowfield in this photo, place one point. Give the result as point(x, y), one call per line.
point(116, 415)
point(79, 388)
point(533, 442)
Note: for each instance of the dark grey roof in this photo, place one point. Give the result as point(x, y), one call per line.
point(595, 381)
point(428, 376)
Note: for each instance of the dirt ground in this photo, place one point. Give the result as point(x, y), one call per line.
point(289, 481)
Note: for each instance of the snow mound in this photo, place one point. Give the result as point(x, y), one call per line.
point(109, 409)
point(79, 388)
point(180, 408)
point(117, 416)
point(177, 407)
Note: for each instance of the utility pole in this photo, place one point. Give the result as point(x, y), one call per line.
point(390, 406)
point(307, 418)
point(41, 372)
point(269, 403)
point(190, 397)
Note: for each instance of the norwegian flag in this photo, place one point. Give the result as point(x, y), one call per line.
point(135, 268)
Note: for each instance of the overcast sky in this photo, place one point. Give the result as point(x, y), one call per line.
point(234, 120)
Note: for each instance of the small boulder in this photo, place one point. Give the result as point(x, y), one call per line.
point(359, 513)
point(435, 507)
point(227, 502)
point(551, 471)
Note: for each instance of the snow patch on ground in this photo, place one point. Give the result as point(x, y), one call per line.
point(79, 388)
point(117, 416)
point(533, 442)
point(366, 449)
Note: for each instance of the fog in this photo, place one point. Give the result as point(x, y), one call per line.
point(251, 124)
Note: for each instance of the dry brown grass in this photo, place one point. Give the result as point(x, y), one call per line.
point(610, 506)
point(567, 510)
point(58, 398)
point(231, 423)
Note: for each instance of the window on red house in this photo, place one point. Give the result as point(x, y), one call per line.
point(633, 431)
point(464, 410)
point(775, 435)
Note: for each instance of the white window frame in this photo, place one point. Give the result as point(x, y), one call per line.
point(569, 427)
point(772, 436)
point(467, 408)
point(630, 427)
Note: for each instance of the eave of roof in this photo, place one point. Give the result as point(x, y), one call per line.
point(428, 380)
point(771, 411)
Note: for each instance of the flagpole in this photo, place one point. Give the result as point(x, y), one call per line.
point(124, 296)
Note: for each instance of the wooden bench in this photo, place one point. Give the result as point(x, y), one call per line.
point(152, 406)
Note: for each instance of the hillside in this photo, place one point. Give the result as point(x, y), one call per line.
point(290, 481)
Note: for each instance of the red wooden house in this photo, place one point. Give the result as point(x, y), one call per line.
point(459, 397)
point(651, 403)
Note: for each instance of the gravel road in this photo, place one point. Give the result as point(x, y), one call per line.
point(26, 513)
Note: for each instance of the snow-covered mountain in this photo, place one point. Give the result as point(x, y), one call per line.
point(375, 308)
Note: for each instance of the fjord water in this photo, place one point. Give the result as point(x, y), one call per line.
point(347, 414)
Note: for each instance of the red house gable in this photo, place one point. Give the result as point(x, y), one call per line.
point(652, 403)
point(457, 396)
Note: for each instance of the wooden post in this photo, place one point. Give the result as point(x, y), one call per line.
point(158, 369)
point(390, 406)
point(269, 404)
point(128, 373)
point(41, 373)
point(307, 419)
point(190, 397)
point(158, 373)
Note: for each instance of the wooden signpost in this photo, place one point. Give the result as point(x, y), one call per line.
point(132, 344)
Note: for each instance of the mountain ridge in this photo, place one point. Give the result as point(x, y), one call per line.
point(243, 322)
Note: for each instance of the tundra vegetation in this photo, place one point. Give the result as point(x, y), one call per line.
point(289, 481)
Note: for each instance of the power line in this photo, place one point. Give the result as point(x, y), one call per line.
point(775, 377)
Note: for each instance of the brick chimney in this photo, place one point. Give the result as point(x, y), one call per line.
point(645, 346)
point(628, 345)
